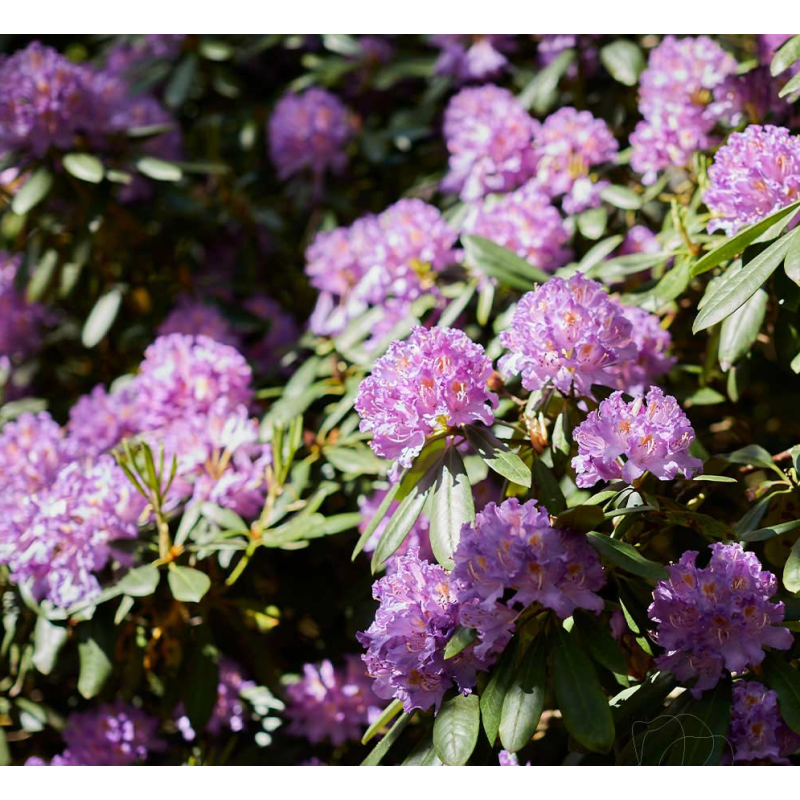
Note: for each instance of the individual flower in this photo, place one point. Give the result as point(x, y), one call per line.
point(568, 332)
point(568, 144)
point(758, 732)
point(511, 557)
point(434, 380)
point(418, 537)
point(417, 615)
point(182, 376)
point(488, 135)
point(675, 99)
point(195, 318)
point(332, 704)
point(651, 432)
point(310, 131)
point(526, 222)
point(112, 735)
point(717, 617)
point(756, 173)
point(472, 57)
point(636, 374)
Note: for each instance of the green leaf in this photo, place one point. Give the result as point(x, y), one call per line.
point(95, 654)
point(788, 53)
point(581, 518)
point(621, 197)
point(101, 317)
point(5, 753)
point(736, 244)
point(357, 460)
point(623, 60)
point(762, 534)
point(785, 680)
point(546, 488)
point(583, 704)
point(48, 639)
point(461, 638)
point(497, 455)
point(223, 517)
point(791, 570)
point(140, 582)
point(600, 643)
point(714, 479)
point(84, 167)
point(188, 585)
point(159, 170)
point(200, 678)
point(741, 329)
point(498, 262)
point(386, 716)
point(754, 456)
point(494, 693)
point(524, 700)
point(382, 748)
point(181, 81)
point(423, 755)
point(376, 520)
point(627, 557)
point(540, 93)
point(452, 506)
point(592, 223)
point(739, 284)
point(455, 731)
point(32, 192)
point(790, 87)
point(404, 517)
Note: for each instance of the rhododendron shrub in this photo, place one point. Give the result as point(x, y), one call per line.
point(403, 400)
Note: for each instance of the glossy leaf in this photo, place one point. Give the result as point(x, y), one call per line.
point(498, 456)
point(455, 731)
point(524, 699)
point(627, 557)
point(188, 585)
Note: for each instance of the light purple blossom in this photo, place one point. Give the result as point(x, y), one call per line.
point(472, 57)
point(511, 557)
point(310, 131)
point(20, 321)
point(418, 613)
point(651, 432)
point(332, 704)
point(639, 239)
point(506, 759)
point(717, 617)
point(195, 318)
point(488, 135)
point(128, 56)
point(756, 173)
point(758, 732)
point(100, 420)
point(526, 222)
point(568, 332)
point(434, 380)
point(568, 144)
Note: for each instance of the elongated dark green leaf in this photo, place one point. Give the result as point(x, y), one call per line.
point(5, 752)
point(739, 284)
point(624, 61)
point(581, 699)
point(455, 731)
point(497, 455)
point(384, 745)
point(376, 520)
point(791, 569)
point(788, 53)
point(753, 456)
point(494, 693)
point(762, 534)
point(95, 653)
point(423, 755)
point(736, 244)
point(386, 716)
point(101, 317)
point(461, 638)
point(188, 585)
point(600, 643)
point(357, 460)
point(581, 518)
point(741, 329)
point(546, 488)
point(524, 700)
point(790, 87)
point(181, 81)
point(404, 517)
point(200, 678)
point(627, 557)
point(224, 517)
point(785, 680)
point(140, 582)
point(642, 701)
point(540, 93)
point(32, 192)
point(84, 167)
point(498, 262)
point(48, 639)
point(452, 507)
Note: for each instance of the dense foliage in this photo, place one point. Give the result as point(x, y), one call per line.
point(399, 399)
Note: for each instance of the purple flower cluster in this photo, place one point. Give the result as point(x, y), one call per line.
point(332, 704)
point(386, 260)
point(488, 135)
point(434, 380)
point(526, 222)
point(651, 432)
point(127, 57)
point(418, 613)
point(196, 318)
point(568, 144)
point(758, 732)
point(310, 131)
point(756, 173)
point(511, 557)
point(639, 239)
point(472, 57)
point(112, 735)
point(506, 759)
point(568, 332)
point(417, 538)
point(676, 101)
point(717, 617)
